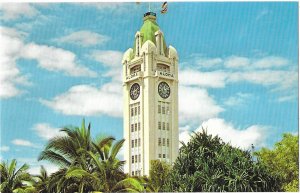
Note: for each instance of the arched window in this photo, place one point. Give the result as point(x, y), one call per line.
point(135, 69)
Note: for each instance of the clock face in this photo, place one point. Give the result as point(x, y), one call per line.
point(135, 91)
point(164, 90)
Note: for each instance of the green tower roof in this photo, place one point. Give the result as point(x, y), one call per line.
point(148, 30)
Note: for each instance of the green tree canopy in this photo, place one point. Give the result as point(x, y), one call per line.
point(208, 164)
point(283, 160)
point(158, 174)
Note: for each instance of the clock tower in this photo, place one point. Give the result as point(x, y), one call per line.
point(150, 94)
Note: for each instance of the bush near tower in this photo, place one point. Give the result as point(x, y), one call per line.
point(207, 164)
point(283, 160)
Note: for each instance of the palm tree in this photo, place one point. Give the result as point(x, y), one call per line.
point(13, 179)
point(107, 171)
point(85, 165)
point(42, 181)
point(67, 152)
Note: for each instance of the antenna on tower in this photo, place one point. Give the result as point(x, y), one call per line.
point(149, 7)
point(163, 8)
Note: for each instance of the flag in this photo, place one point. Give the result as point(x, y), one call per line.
point(164, 8)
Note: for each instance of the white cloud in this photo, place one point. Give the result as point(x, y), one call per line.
point(12, 11)
point(55, 59)
point(115, 7)
point(22, 142)
point(88, 100)
point(4, 148)
point(270, 62)
point(196, 105)
point(286, 98)
point(238, 99)
point(35, 169)
point(111, 59)
point(254, 134)
point(184, 134)
point(83, 38)
point(12, 48)
point(236, 62)
point(280, 79)
point(242, 138)
point(215, 79)
point(44, 130)
point(35, 165)
point(255, 64)
point(276, 73)
point(120, 155)
point(38, 21)
point(10, 76)
point(208, 62)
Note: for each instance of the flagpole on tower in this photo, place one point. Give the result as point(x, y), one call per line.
point(149, 7)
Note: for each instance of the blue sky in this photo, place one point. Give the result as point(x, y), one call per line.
point(61, 63)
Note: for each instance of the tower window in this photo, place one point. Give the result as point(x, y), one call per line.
point(135, 142)
point(132, 173)
point(139, 110)
point(163, 67)
point(168, 110)
point(135, 69)
point(168, 126)
point(131, 111)
point(136, 159)
point(159, 109)
point(132, 159)
point(164, 142)
point(159, 155)
point(132, 130)
point(159, 141)
point(163, 110)
point(135, 111)
point(135, 127)
point(164, 155)
point(132, 143)
point(168, 142)
point(139, 157)
point(139, 142)
point(159, 125)
point(164, 126)
point(139, 126)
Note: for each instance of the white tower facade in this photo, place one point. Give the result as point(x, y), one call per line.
point(150, 94)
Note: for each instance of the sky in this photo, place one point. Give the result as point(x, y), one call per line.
point(60, 63)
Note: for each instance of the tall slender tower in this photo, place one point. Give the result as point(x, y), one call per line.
point(150, 93)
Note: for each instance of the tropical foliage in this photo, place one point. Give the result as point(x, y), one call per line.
point(41, 181)
point(85, 165)
point(208, 164)
point(158, 174)
point(204, 164)
point(283, 161)
point(13, 179)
